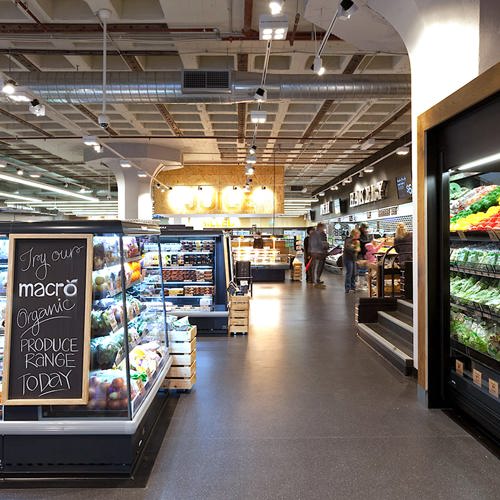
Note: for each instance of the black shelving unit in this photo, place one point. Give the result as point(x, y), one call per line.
point(459, 376)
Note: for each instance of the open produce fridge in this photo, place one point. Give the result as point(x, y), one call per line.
point(464, 266)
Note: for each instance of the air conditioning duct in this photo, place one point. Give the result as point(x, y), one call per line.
point(153, 87)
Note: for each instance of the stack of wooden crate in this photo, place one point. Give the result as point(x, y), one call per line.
point(296, 273)
point(239, 313)
point(182, 373)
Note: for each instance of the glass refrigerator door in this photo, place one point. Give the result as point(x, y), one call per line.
point(475, 286)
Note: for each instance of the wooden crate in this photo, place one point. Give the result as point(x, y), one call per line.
point(183, 347)
point(182, 371)
point(234, 329)
point(180, 383)
point(239, 306)
point(238, 322)
point(183, 359)
point(182, 336)
point(235, 299)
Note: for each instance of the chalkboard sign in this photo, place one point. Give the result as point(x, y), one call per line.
point(403, 187)
point(47, 336)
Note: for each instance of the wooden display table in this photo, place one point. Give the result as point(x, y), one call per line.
point(182, 373)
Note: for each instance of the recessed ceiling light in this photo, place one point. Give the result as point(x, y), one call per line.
point(35, 176)
point(258, 116)
point(9, 87)
point(19, 171)
point(18, 197)
point(125, 164)
point(90, 140)
point(369, 170)
point(142, 175)
point(403, 151)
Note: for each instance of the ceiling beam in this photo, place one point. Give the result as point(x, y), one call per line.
point(353, 64)
point(169, 119)
point(293, 34)
point(247, 16)
point(398, 114)
point(89, 114)
point(132, 62)
point(25, 62)
point(27, 124)
point(404, 140)
point(242, 106)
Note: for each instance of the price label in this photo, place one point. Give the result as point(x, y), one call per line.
point(461, 235)
point(459, 367)
point(493, 387)
point(477, 377)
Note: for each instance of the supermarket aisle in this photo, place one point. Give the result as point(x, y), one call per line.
point(302, 409)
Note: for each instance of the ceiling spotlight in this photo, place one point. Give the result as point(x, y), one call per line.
point(84, 190)
point(273, 27)
point(403, 151)
point(90, 140)
point(264, 187)
point(36, 108)
point(276, 6)
point(125, 164)
point(321, 194)
point(66, 185)
point(35, 176)
point(200, 188)
point(260, 95)
point(252, 150)
point(317, 66)
point(158, 185)
point(19, 171)
point(369, 170)
point(141, 174)
point(361, 174)
point(346, 9)
point(246, 188)
point(258, 116)
point(251, 159)
point(334, 188)
point(97, 148)
point(249, 170)
point(235, 188)
point(367, 144)
point(9, 87)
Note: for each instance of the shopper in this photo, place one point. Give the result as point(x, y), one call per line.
point(352, 248)
point(318, 247)
point(364, 238)
point(307, 255)
point(403, 242)
point(258, 242)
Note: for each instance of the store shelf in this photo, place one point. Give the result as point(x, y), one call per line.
point(478, 311)
point(487, 271)
point(478, 356)
point(117, 292)
point(188, 283)
point(493, 235)
point(188, 296)
point(204, 266)
point(182, 252)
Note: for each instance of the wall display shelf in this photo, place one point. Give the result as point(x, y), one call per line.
point(195, 271)
point(128, 354)
point(463, 284)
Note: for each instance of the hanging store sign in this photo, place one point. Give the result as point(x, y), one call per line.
point(325, 208)
point(368, 194)
point(47, 335)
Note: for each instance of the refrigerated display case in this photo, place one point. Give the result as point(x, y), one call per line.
point(129, 359)
point(196, 273)
point(463, 158)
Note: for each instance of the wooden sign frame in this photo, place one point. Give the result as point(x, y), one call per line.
point(83, 400)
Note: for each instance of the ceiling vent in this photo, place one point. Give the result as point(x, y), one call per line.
point(198, 82)
point(296, 188)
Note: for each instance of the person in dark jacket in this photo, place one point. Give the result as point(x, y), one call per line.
point(364, 238)
point(258, 242)
point(307, 255)
point(403, 242)
point(352, 247)
point(318, 247)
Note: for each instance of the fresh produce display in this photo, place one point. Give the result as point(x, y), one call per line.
point(107, 314)
point(189, 290)
point(108, 390)
point(484, 291)
point(107, 281)
point(478, 256)
point(457, 191)
point(483, 336)
point(477, 210)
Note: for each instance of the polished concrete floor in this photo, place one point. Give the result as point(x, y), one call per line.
point(301, 409)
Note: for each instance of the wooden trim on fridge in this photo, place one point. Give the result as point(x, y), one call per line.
point(482, 87)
